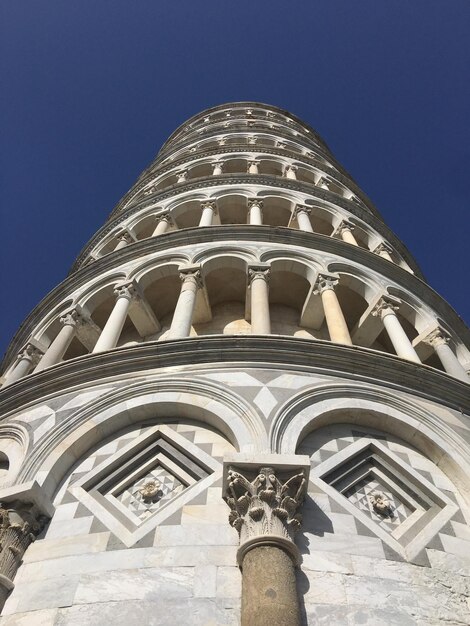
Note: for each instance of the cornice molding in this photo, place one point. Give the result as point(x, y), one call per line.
point(277, 182)
point(276, 235)
point(292, 354)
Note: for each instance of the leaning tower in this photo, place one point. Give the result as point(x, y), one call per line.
point(244, 404)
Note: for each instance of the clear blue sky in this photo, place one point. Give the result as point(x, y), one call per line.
point(91, 89)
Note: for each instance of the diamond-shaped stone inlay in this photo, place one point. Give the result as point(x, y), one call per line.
point(145, 482)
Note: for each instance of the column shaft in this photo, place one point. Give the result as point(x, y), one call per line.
point(183, 315)
point(207, 215)
point(348, 237)
point(113, 327)
point(398, 337)
point(335, 321)
point(256, 216)
point(162, 227)
point(58, 347)
point(303, 221)
point(269, 595)
point(450, 361)
point(260, 319)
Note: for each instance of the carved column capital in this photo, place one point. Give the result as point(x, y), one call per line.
point(125, 236)
point(437, 337)
point(163, 217)
point(30, 353)
point(386, 306)
point(222, 141)
point(290, 168)
point(301, 208)
point(280, 144)
point(191, 275)
point(382, 247)
point(255, 202)
point(218, 164)
point(324, 282)
point(324, 183)
point(258, 271)
point(127, 290)
point(264, 503)
point(252, 140)
point(209, 204)
point(150, 190)
point(342, 227)
point(182, 176)
point(71, 317)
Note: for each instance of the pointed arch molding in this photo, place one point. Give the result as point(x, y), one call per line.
point(378, 409)
point(201, 401)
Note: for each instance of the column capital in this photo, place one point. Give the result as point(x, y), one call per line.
point(437, 337)
point(222, 141)
point(182, 175)
point(218, 164)
point(258, 271)
point(31, 353)
point(290, 168)
point(343, 226)
point(209, 204)
point(150, 190)
point(191, 273)
point(280, 144)
point(255, 202)
point(72, 317)
point(382, 247)
point(325, 282)
point(252, 140)
point(125, 236)
point(324, 182)
point(264, 500)
point(385, 306)
point(165, 216)
point(301, 208)
point(127, 290)
point(251, 162)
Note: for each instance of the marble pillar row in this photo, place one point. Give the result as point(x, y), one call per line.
point(70, 321)
point(265, 502)
point(125, 293)
point(438, 339)
point(302, 213)
point(28, 358)
point(255, 211)
point(164, 221)
point(209, 209)
point(258, 277)
point(385, 309)
point(183, 315)
point(337, 327)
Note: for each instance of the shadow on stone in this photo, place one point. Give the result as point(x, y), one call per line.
point(315, 522)
point(303, 587)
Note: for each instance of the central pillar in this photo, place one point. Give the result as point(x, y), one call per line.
point(28, 357)
point(264, 500)
point(345, 231)
point(335, 321)
point(439, 340)
point(217, 168)
point(163, 222)
point(255, 211)
point(111, 332)
point(384, 251)
point(252, 167)
point(302, 213)
point(385, 309)
point(124, 239)
point(55, 352)
point(208, 212)
point(183, 315)
point(259, 286)
point(290, 172)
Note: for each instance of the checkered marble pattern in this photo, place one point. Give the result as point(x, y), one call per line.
point(168, 487)
point(360, 496)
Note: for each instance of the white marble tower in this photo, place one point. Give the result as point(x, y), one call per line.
point(244, 404)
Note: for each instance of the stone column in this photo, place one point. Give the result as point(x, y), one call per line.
point(345, 231)
point(384, 251)
point(217, 168)
point(208, 211)
point(20, 524)
point(252, 140)
point(124, 239)
point(182, 177)
point(302, 212)
point(55, 352)
point(258, 277)
point(183, 315)
point(252, 167)
point(439, 340)
point(385, 309)
point(28, 357)
point(163, 222)
point(323, 183)
point(264, 501)
point(335, 321)
point(290, 171)
point(125, 292)
point(255, 211)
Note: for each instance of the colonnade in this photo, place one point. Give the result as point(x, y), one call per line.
point(301, 214)
point(324, 301)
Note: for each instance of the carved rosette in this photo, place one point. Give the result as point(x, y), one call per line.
point(20, 524)
point(264, 507)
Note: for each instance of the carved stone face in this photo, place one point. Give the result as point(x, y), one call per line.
point(380, 503)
